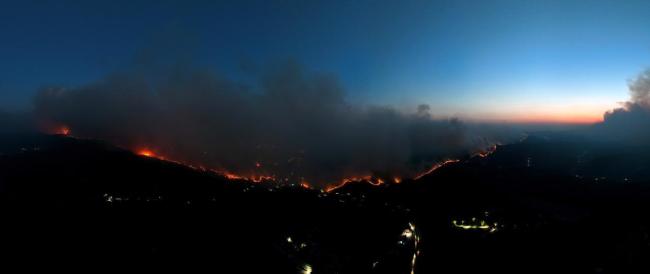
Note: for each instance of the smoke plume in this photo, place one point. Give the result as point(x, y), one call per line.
point(629, 124)
point(294, 125)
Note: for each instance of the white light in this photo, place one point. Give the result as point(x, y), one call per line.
point(306, 269)
point(412, 226)
point(407, 233)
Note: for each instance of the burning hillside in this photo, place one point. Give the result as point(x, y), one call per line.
point(256, 177)
point(294, 127)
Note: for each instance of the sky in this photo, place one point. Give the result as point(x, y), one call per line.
point(519, 61)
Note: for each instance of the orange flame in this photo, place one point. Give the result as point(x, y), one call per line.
point(487, 152)
point(374, 181)
point(147, 153)
point(435, 167)
point(368, 179)
point(64, 130)
point(251, 178)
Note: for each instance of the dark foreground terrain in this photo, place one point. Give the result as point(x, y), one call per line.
point(551, 204)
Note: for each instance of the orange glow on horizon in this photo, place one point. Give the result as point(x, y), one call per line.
point(579, 113)
point(543, 119)
point(557, 119)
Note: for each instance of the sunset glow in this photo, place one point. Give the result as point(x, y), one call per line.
point(587, 112)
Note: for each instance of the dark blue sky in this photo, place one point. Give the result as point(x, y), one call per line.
point(514, 60)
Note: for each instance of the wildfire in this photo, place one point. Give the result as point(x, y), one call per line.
point(305, 185)
point(233, 176)
point(229, 175)
point(147, 153)
point(372, 180)
point(481, 154)
point(251, 178)
point(258, 178)
point(345, 181)
point(435, 167)
point(397, 180)
point(64, 130)
point(487, 152)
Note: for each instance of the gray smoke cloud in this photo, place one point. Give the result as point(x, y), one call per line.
point(629, 124)
point(640, 89)
point(295, 125)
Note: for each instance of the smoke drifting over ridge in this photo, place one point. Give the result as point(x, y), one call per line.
point(629, 124)
point(296, 126)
